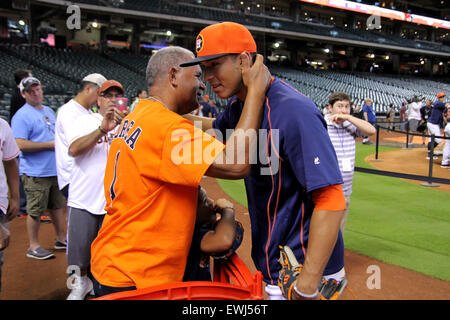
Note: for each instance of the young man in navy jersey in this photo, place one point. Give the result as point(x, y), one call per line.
point(435, 121)
point(294, 191)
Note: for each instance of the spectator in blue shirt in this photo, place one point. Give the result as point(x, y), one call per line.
point(369, 116)
point(33, 127)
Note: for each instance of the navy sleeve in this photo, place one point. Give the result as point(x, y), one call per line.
point(206, 108)
point(307, 146)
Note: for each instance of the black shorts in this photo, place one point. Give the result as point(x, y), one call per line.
point(102, 290)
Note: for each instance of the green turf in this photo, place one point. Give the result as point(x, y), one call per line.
point(235, 189)
point(362, 151)
point(391, 220)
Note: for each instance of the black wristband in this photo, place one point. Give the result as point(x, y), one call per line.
point(101, 130)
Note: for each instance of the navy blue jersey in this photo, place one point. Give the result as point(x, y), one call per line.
point(214, 111)
point(197, 264)
point(294, 158)
point(436, 113)
point(206, 108)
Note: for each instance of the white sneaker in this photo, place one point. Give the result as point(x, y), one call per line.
point(81, 286)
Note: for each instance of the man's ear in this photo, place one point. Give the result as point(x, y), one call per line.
point(173, 76)
point(245, 59)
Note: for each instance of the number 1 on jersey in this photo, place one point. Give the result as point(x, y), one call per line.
point(111, 188)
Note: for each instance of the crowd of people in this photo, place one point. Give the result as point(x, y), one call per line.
point(423, 116)
point(130, 179)
point(417, 115)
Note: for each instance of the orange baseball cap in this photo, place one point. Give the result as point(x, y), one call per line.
point(221, 39)
point(440, 95)
point(109, 84)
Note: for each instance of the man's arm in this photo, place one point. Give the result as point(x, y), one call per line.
point(365, 127)
point(365, 117)
point(203, 123)
point(87, 142)
point(221, 239)
point(31, 146)
point(323, 233)
point(4, 237)
point(12, 177)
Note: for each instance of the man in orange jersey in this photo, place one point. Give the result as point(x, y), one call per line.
point(155, 164)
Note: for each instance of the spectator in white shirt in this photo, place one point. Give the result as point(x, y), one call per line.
point(414, 116)
point(89, 140)
point(9, 177)
point(78, 106)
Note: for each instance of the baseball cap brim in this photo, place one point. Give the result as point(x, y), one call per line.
point(111, 84)
point(201, 59)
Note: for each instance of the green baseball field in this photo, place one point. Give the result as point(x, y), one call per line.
point(391, 220)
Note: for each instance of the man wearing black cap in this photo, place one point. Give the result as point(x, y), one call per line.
point(33, 126)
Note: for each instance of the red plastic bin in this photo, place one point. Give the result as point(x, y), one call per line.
point(231, 281)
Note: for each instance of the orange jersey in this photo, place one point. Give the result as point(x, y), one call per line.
point(155, 164)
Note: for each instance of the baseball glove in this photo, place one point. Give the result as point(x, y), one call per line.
point(331, 289)
point(290, 270)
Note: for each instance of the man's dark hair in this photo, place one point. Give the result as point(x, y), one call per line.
point(84, 84)
point(20, 74)
point(338, 96)
point(139, 91)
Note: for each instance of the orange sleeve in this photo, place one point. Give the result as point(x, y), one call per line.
point(329, 198)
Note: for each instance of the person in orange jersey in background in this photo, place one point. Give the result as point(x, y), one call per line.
point(153, 172)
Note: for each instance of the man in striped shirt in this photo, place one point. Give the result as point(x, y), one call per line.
point(343, 128)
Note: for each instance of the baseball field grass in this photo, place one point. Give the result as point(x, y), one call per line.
point(391, 220)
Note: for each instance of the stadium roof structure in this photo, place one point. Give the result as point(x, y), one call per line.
point(200, 15)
